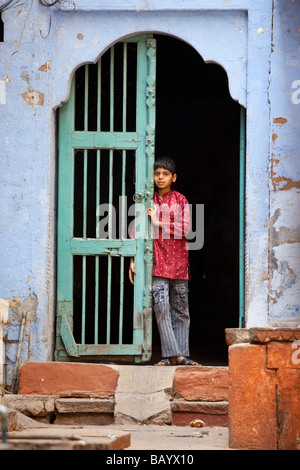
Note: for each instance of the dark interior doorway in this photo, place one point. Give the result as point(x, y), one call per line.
point(1, 29)
point(198, 125)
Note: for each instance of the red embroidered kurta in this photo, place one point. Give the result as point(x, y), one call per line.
point(170, 246)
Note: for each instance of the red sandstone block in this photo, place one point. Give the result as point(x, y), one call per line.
point(201, 383)
point(283, 355)
point(252, 399)
point(288, 399)
point(68, 379)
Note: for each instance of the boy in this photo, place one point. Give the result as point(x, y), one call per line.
point(171, 222)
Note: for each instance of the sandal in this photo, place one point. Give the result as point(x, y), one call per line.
point(187, 362)
point(164, 362)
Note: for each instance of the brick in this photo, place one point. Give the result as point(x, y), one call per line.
point(283, 355)
point(68, 379)
point(252, 399)
point(201, 383)
point(288, 400)
point(212, 413)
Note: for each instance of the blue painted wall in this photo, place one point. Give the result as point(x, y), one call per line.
point(285, 166)
point(256, 42)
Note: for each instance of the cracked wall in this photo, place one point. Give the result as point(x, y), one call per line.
point(284, 250)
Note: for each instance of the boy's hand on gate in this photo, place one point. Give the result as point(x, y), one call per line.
point(131, 271)
point(152, 212)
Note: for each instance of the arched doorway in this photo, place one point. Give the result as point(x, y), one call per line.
point(197, 123)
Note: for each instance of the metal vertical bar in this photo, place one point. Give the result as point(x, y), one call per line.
point(86, 103)
point(108, 299)
point(124, 85)
point(99, 86)
point(83, 297)
point(98, 156)
point(122, 235)
point(110, 195)
point(85, 165)
point(96, 321)
point(123, 198)
point(86, 97)
point(121, 299)
point(109, 267)
point(242, 219)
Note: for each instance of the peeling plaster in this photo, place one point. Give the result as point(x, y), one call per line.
point(28, 306)
point(283, 275)
point(284, 259)
point(280, 120)
point(33, 98)
point(281, 182)
point(284, 290)
point(45, 67)
point(283, 234)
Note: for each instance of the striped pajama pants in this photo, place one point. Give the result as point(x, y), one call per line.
point(170, 303)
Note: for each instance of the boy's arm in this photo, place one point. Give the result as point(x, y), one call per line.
point(131, 270)
point(152, 212)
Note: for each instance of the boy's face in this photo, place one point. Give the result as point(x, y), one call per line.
point(164, 178)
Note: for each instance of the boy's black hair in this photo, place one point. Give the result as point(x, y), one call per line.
point(167, 163)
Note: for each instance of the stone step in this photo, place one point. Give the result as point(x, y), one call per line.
point(212, 413)
point(105, 393)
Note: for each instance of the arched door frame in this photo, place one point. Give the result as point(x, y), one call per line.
point(248, 74)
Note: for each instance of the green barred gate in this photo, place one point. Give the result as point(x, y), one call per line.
point(106, 156)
